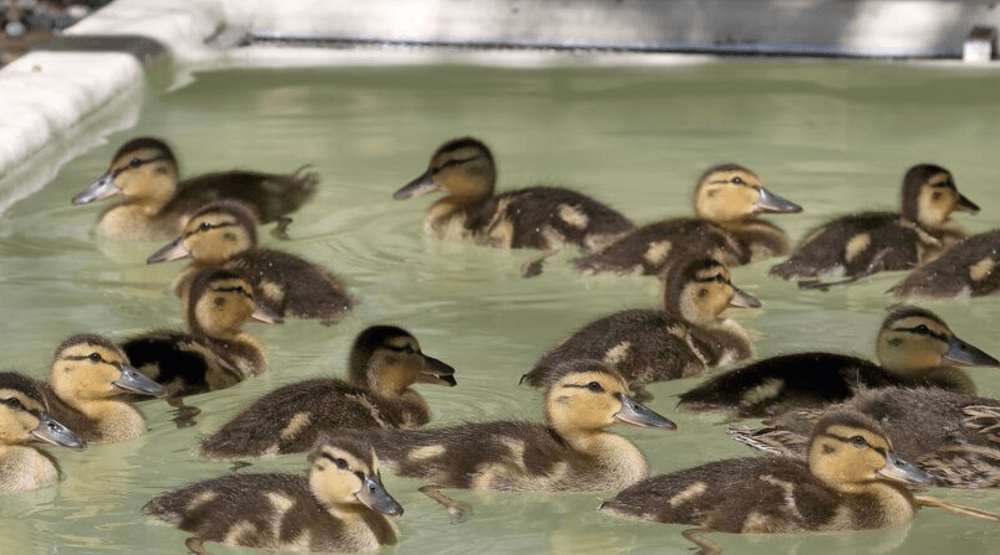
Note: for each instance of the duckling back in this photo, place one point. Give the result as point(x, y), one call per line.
point(966, 269)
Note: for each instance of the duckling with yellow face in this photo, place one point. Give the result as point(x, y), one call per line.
point(384, 363)
point(914, 347)
point(24, 422)
point(88, 385)
point(157, 205)
point(216, 353)
point(223, 234)
point(684, 339)
point(727, 200)
point(966, 269)
point(545, 218)
point(863, 244)
point(572, 452)
point(852, 481)
point(341, 506)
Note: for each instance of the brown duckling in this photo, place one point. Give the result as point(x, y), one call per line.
point(224, 234)
point(384, 362)
point(89, 386)
point(24, 422)
point(545, 218)
point(156, 206)
point(684, 339)
point(966, 269)
point(216, 353)
point(859, 245)
point(727, 200)
point(852, 481)
point(951, 436)
point(572, 451)
point(341, 506)
point(914, 347)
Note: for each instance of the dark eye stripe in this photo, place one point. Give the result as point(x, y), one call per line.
point(205, 226)
point(925, 331)
point(236, 289)
point(843, 439)
point(117, 171)
point(454, 162)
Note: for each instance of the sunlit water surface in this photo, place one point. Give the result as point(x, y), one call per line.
point(834, 137)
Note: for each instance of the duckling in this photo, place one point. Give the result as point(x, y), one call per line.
point(223, 234)
point(914, 347)
point(852, 481)
point(951, 436)
point(156, 206)
point(572, 451)
point(23, 421)
point(727, 200)
point(384, 362)
point(341, 506)
point(544, 218)
point(685, 338)
point(216, 353)
point(966, 269)
point(862, 244)
point(88, 385)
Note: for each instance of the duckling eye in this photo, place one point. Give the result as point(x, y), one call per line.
point(738, 181)
point(94, 357)
point(135, 163)
point(859, 442)
point(922, 328)
point(13, 403)
point(341, 463)
point(204, 226)
point(595, 387)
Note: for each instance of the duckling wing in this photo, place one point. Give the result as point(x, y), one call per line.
point(271, 196)
point(966, 269)
point(287, 284)
point(774, 385)
point(292, 418)
point(178, 362)
point(546, 218)
point(642, 345)
point(653, 248)
point(856, 245)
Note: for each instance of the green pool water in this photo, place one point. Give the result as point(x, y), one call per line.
point(834, 137)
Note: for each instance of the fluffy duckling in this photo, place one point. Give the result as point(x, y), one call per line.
point(224, 234)
point(216, 353)
point(852, 481)
point(544, 218)
point(384, 362)
point(966, 269)
point(685, 338)
point(863, 244)
point(341, 506)
point(23, 421)
point(156, 206)
point(572, 451)
point(914, 347)
point(727, 201)
point(951, 436)
point(89, 384)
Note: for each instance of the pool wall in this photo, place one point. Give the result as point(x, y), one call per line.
point(46, 94)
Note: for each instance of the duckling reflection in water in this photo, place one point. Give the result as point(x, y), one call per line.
point(23, 423)
point(852, 481)
point(224, 234)
point(545, 218)
point(966, 269)
point(384, 362)
point(727, 201)
point(863, 244)
point(572, 452)
point(915, 348)
point(156, 206)
point(216, 353)
point(341, 506)
point(684, 339)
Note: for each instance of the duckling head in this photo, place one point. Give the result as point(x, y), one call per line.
point(463, 168)
point(591, 397)
point(912, 338)
point(144, 169)
point(23, 418)
point(929, 196)
point(345, 471)
point(214, 234)
point(730, 192)
point(699, 290)
point(387, 359)
point(89, 367)
point(849, 450)
point(221, 301)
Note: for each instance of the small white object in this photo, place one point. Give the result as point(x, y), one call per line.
point(979, 47)
point(15, 29)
